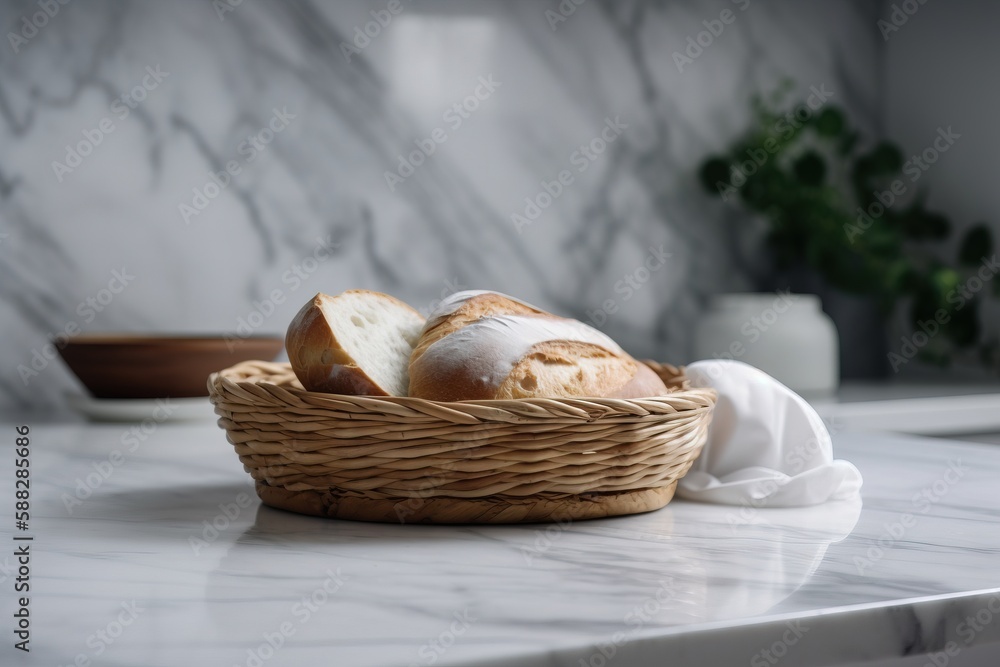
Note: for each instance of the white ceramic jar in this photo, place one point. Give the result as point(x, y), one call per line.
point(785, 335)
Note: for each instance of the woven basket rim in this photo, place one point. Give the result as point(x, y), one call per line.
point(705, 397)
point(396, 458)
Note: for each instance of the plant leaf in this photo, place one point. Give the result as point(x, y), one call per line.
point(963, 328)
point(830, 122)
point(977, 243)
point(810, 169)
point(715, 170)
point(885, 159)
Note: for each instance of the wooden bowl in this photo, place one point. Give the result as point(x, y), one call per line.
point(153, 366)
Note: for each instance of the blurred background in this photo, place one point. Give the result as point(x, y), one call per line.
point(207, 166)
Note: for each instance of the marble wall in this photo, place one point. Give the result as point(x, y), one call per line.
point(175, 166)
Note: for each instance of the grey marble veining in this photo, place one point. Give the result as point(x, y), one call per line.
point(689, 584)
point(223, 76)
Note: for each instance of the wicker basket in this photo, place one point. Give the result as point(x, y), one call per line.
point(409, 460)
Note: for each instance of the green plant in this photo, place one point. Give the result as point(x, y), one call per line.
point(850, 214)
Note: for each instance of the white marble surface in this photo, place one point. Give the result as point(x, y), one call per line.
point(689, 584)
point(448, 226)
point(941, 408)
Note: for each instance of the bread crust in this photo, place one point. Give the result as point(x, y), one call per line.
point(566, 368)
point(464, 308)
point(320, 362)
point(493, 347)
point(644, 383)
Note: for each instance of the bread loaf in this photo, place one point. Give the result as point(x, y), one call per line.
point(485, 345)
point(358, 342)
point(462, 308)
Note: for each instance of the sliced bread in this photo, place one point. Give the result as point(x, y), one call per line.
point(358, 342)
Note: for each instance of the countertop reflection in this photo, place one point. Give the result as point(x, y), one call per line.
point(170, 537)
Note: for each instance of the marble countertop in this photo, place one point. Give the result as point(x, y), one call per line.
point(931, 408)
point(160, 554)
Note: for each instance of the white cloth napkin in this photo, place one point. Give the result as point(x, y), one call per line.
point(766, 446)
